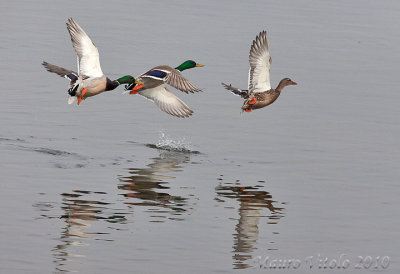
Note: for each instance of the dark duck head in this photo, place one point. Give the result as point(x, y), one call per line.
point(188, 64)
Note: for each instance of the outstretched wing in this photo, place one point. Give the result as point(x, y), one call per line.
point(88, 54)
point(172, 77)
point(260, 63)
point(176, 80)
point(237, 91)
point(63, 72)
point(167, 101)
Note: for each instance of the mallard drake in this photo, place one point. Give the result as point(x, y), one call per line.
point(89, 80)
point(259, 93)
point(153, 89)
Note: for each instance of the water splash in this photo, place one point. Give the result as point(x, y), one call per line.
point(168, 143)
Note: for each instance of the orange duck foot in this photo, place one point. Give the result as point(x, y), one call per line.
point(84, 91)
point(80, 97)
point(253, 101)
point(247, 110)
point(133, 92)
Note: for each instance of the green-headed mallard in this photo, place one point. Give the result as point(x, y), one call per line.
point(259, 93)
point(89, 80)
point(152, 87)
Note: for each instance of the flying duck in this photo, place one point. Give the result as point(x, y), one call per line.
point(259, 93)
point(89, 80)
point(153, 87)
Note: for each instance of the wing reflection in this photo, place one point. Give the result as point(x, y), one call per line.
point(252, 202)
point(80, 209)
point(148, 186)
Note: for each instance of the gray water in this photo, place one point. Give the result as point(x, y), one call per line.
point(117, 186)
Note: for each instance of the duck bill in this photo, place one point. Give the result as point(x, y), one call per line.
point(294, 83)
point(134, 86)
point(199, 65)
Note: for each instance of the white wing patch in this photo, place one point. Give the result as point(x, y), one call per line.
point(167, 101)
point(88, 54)
point(260, 63)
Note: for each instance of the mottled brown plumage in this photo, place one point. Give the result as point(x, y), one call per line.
point(259, 93)
point(263, 99)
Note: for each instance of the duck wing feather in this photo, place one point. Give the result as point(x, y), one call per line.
point(87, 52)
point(260, 63)
point(167, 101)
point(172, 77)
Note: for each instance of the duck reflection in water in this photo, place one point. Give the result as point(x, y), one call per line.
point(80, 209)
point(252, 204)
point(148, 186)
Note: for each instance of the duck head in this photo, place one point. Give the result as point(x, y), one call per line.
point(188, 64)
point(285, 82)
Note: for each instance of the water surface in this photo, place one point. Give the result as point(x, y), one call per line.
point(116, 186)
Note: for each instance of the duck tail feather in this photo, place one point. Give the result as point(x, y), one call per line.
point(71, 99)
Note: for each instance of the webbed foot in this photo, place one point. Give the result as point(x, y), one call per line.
point(253, 101)
point(80, 97)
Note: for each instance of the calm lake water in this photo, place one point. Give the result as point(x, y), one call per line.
point(308, 184)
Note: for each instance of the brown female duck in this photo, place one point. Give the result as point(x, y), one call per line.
point(259, 93)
